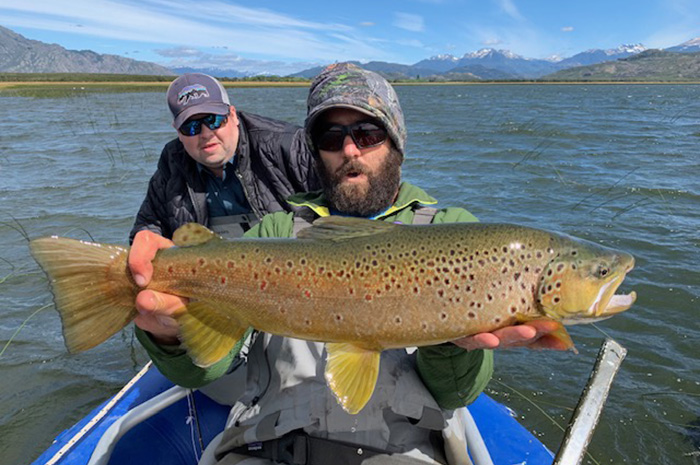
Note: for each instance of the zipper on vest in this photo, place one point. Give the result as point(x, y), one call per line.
point(247, 196)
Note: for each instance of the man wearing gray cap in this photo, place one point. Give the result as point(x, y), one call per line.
point(225, 170)
point(288, 414)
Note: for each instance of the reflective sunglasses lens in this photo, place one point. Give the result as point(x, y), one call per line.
point(331, 140)
point(191, 128)
point(368, 135)
point(194, 127)
point(214, 121)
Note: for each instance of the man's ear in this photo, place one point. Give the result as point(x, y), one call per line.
point(233, 115)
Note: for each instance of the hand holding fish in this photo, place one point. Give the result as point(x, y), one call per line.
point(533, 335)
point(155, 309)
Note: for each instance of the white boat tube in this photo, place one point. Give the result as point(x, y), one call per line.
point(105, 447)
point(590, 405)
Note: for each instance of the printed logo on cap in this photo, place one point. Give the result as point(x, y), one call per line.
point(192, 92)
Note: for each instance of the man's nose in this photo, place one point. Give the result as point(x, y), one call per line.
point(350, 149)
point(206, 131)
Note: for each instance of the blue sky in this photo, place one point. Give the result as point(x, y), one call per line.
point(284, 35)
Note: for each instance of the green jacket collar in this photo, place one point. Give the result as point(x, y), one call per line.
point(408, 195)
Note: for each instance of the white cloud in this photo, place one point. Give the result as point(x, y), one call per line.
point(409, 22)
point(567, 29)
point(207, 24)
point(491, 42)
point(510, 9)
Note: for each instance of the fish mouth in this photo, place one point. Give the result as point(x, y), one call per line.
point(607, 303)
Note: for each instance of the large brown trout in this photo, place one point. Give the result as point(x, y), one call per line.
point(361, 286)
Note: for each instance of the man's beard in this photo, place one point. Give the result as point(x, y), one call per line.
point(363, 200)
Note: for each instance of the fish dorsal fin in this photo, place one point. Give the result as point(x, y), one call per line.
point(191, 234)
point(338, 228)
point(351, 373)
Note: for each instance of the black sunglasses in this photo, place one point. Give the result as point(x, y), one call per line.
point(365, 134)
point(192, 127)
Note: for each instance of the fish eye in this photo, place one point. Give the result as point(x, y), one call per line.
point(602, 271)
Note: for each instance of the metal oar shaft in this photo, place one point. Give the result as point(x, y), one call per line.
point(590, 406)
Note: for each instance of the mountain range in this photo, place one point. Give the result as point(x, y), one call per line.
point(21, 55)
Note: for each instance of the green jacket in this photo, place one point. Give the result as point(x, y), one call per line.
point(454, 376)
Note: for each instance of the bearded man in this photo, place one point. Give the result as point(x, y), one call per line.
point(287, 414)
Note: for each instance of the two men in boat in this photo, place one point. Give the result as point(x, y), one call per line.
point(355, 135)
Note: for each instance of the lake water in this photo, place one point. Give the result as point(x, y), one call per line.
point(616, 164)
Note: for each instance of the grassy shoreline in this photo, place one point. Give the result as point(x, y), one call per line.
point(136, 86)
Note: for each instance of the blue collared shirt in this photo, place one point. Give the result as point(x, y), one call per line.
point(225, 195)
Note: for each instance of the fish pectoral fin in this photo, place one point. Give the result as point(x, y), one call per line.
point(559, 334)
point(562, 335)
point(351, 373)
point(207, 335)
point(338, 228)
point(191, 234)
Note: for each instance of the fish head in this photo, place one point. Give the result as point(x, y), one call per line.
point(579, 284)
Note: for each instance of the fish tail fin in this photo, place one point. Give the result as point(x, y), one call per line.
point(92, 288)
point(208, 334)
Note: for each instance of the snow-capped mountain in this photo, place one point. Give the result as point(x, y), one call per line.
point(439, 63)
point(691, 46)
point(504, 61)
point(489, 53)
point(594, 56)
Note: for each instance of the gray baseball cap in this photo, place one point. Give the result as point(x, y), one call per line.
point(194, 93)
point(345, 85)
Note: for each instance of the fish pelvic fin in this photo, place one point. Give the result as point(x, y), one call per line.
point(338, 228)
point(351, 373)
point(92, 288)
point(208, 335)
point(192, 234)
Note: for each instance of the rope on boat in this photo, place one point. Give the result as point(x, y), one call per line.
point(99, 416)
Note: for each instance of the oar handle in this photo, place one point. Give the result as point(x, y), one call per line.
point(590, 405)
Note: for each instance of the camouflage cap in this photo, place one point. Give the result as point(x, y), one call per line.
point(345, 85)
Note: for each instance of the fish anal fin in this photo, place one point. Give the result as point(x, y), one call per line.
point(207, 335)
point(191, 234)
point(351, 373)
point(338, 228)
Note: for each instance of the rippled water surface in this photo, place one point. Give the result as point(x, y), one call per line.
point(619, 165)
